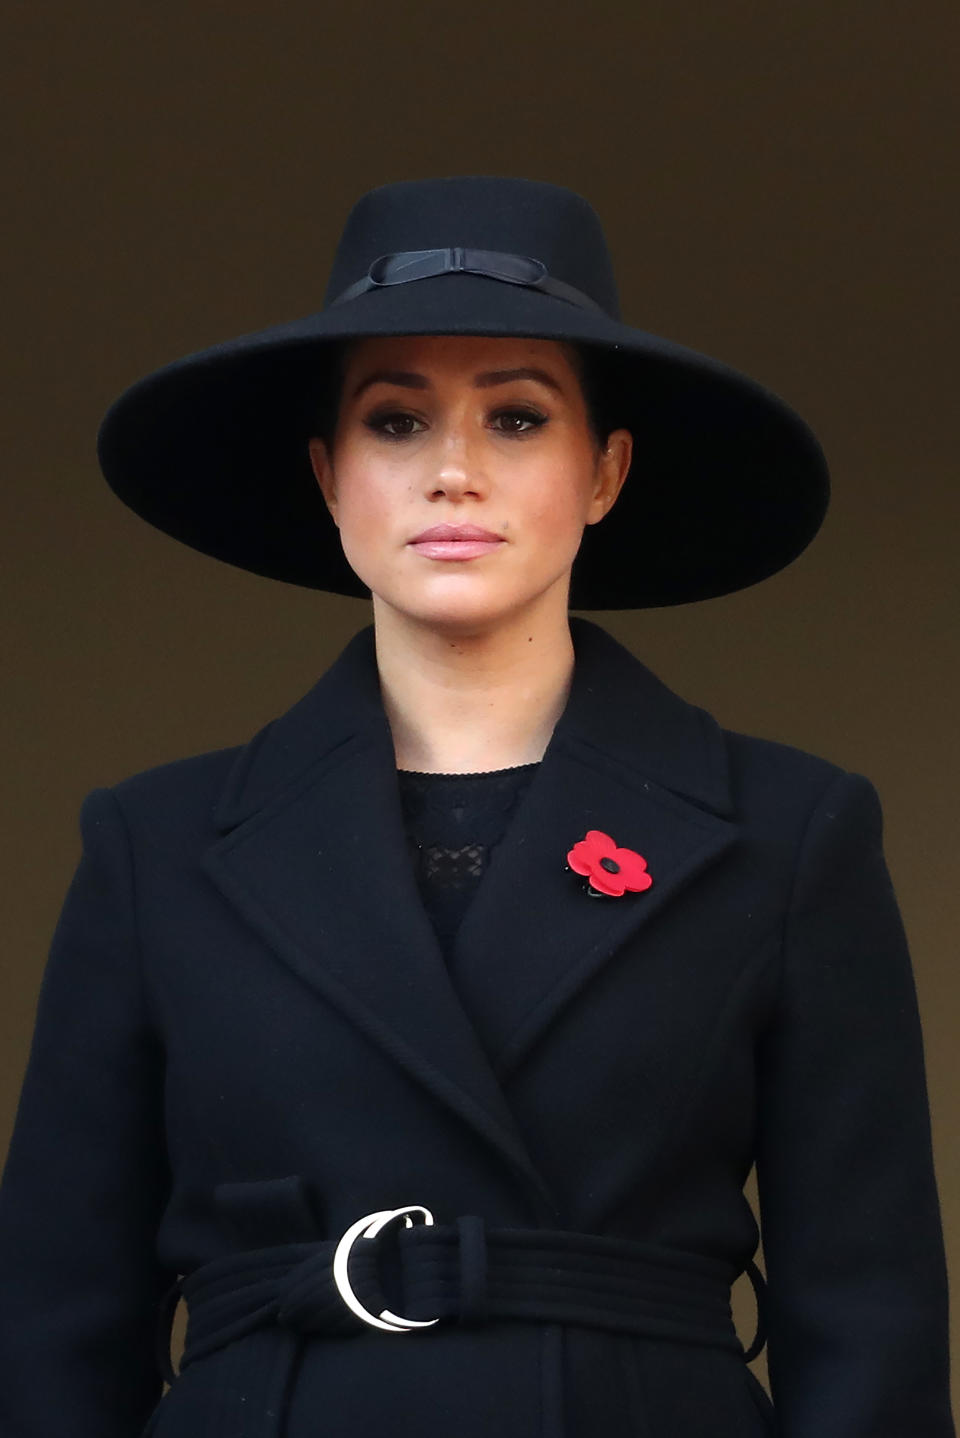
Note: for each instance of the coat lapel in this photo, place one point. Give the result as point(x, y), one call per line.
point(313, 855)
point(633, 759)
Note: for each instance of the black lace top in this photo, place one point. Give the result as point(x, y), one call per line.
point(453, 822)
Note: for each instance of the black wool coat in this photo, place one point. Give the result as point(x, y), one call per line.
point(247, 1039)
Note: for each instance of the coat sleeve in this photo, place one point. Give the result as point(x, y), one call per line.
point(85, 1178)
point(849, 1213)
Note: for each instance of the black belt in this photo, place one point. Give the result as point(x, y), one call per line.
point(459, 1273)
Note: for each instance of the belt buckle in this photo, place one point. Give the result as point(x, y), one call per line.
point(368, 1227)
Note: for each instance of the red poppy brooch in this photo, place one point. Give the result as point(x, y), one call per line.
point(608, 869)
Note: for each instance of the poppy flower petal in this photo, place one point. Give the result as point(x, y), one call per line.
point(609, 884)
point(580, 858)
point(633, 866)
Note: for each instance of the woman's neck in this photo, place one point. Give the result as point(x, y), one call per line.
point(461, 703)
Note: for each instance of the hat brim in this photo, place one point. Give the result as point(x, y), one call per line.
point(728, 484)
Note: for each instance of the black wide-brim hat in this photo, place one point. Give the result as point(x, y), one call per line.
point(727, 486)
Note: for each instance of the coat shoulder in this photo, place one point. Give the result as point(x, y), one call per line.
point(774, 772)
point(776, 757)
point(179, 795)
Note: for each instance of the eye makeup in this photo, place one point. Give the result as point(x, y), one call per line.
point(535, 419)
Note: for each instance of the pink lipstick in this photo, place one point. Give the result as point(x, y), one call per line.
point(455, 541)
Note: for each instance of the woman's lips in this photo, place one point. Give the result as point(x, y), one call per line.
point(455, 541)
point(454, 548)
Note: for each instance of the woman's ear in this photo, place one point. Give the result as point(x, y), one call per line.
point(613, 465)
point(323, 472)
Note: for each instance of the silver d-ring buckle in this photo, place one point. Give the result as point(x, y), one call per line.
point(369, 1227)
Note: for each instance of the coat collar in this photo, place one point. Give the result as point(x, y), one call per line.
point(313, 854)
point(616, 706)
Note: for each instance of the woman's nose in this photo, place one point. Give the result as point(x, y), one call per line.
point(457, 466)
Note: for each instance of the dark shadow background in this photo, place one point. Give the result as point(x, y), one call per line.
point(779, 188)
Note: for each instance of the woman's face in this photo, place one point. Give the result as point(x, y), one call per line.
point(487, 435)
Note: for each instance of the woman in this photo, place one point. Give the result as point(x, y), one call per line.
point(425, 1042)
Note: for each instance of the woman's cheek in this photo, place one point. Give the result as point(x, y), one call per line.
point(560, 512)
point(365, 511)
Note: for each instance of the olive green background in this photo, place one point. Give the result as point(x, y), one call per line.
point(779, 188)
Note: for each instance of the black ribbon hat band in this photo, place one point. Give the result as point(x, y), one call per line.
point(406, 265)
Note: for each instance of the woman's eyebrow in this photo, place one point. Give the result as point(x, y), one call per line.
point(504, 376)
point(409, 379)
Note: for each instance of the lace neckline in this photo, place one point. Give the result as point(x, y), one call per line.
point(469, 774)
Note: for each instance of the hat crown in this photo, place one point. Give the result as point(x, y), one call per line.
point(485, 212)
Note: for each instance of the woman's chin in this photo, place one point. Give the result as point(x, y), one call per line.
point(456, 607)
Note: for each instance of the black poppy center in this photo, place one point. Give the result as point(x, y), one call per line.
point(611, 866)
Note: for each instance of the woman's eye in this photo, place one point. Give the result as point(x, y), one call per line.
point(399, 424)
point(395, 425)
point(519, 421)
